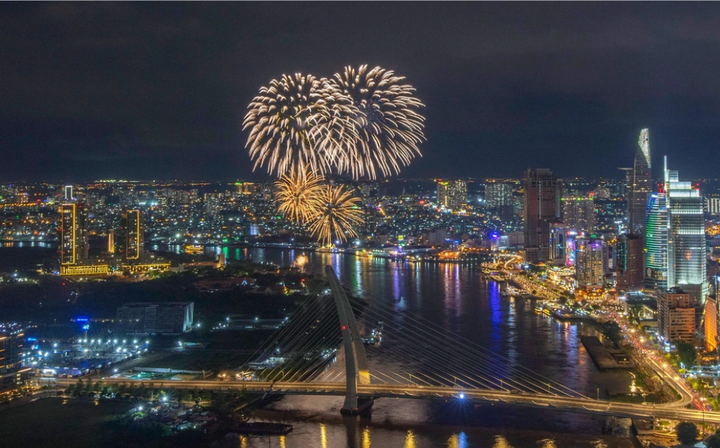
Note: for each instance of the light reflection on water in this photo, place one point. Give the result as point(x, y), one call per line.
point(457, 298)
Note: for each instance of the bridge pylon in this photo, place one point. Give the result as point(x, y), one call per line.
point(356, 369)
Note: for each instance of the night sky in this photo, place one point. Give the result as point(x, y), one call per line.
point(157, 91)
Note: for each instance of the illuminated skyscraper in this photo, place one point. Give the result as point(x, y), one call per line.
point(656, 243)
point(541, 210)
point(499, 198)
point(590, 265)
point(130, 235)
point(639, 191)
point(710, 324)
point(675, 239)
point(687, 260)
point(73, 233)
point(68, 195)
point(452, 193)
point(579, 213)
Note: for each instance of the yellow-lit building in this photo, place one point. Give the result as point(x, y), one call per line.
point(710, 318)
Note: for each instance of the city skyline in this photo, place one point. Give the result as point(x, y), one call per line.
point(454, 224)
point(163, 97)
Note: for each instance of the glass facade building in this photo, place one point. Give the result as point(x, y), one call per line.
point(656, 243)
point(675, 239)
point(686, 238)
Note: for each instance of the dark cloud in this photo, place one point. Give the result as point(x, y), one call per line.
point(158, 90)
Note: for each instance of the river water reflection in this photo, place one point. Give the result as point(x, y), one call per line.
point(458, 298)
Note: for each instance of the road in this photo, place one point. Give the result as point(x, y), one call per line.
point(544, 401)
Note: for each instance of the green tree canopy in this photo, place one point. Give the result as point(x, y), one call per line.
point(687, 353)
point(687, 433)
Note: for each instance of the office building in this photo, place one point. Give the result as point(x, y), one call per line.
point(499, 199)
point(452, 194)
point(68, 193)
point(712, 205)
point(559, 238)
point(676, 316)
point(578, 213)
point(641, 188)
point(541, 210)
point(12, 373)
point(687, 254)
point(629, 262)
point(73, 233)
point(589, 263)
point(710, 324)
point(155, 318)
point(130, 235)
point(656, 243)
point(11, 345)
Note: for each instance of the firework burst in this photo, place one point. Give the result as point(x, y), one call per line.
point(298, 122)
point(337, 215)
point(388, 125)
point(298, 194)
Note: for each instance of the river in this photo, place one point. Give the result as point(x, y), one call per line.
point(458, 298)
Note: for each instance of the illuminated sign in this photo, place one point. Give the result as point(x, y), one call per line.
point(81, 319)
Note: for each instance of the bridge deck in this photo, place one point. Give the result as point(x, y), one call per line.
point(545, 401)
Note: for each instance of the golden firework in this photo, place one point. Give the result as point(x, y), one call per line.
point(387, 123)
point(298, 122)
point(298, 194)
point(337, 215)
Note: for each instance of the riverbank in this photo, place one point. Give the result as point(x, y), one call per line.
point(604, 358)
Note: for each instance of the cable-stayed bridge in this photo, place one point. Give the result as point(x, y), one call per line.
point(337, 344)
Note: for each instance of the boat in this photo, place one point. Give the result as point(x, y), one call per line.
point(193, 249)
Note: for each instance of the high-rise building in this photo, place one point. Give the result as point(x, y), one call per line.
point(578, 213)
point(130, 235)
point(541, 210)
point(11, 345)
point(559, 236)
point(452, 194)
point(499, 198)
point(712, 205)
point(68, 194)
point(676, 316)
point(675, 239)
point(641, 188)
point(73, 233)
point(656, 243)
point(111, 241)
point(710, 324)
point(629, 262)
point(589, 263)
point(687, 260)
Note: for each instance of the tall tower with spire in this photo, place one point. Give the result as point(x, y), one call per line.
point(641, 188)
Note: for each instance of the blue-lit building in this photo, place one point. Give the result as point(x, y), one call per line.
point(656, 243)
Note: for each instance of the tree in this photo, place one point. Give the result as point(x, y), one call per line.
point(687, 433)
point(79, 387)
point(687, 353)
